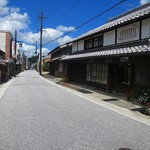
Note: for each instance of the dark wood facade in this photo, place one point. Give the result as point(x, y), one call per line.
point(120, 73)
point(57, 67)
point(115, 56)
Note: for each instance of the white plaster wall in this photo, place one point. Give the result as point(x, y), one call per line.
point(74, 47)
point(109, 38)
point(145, 28)
point(81, 45)
point(3, 41)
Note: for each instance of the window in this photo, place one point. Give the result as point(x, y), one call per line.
point(98, 41)
point(128, 33)
point(88, 43)
point(93, 42)
point(142, 74)
point(97, 73)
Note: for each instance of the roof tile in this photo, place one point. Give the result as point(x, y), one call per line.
point(108, 52)
point(120, 20)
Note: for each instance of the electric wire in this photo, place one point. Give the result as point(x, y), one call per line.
point(60, 6)
point(44, 4)
point(53, 7)
point(73, 5)
point(100, 14)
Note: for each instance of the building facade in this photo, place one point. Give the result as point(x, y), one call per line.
point(6, 54)
point(58, 68)
point(114, 56)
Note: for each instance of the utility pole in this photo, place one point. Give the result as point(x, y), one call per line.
point(36, 56)
point(41, 17)
point(36, 49)
point(15, 59)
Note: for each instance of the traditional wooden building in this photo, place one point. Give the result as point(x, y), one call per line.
point(57, 67)
point(114, 56)
point(3, 65)
point(6, 65)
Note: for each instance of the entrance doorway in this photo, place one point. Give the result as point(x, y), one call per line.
point(119, 77)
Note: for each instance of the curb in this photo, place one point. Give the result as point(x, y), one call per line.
point(137, 116)
point(4, 86)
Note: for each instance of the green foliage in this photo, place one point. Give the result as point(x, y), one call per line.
point(144, 97)
point(33, 59)
point(46, 67)
point(141, 94)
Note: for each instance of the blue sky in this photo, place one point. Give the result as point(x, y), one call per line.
point(22, 16)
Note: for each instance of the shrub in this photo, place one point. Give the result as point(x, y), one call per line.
point(141, 94)
point(144, 97)
point(46, 67)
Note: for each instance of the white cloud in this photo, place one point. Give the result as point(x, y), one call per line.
point(29, 50)
point(142, 2)
point(3, 2)
point(28, 37)
point(3, 9)
point(49, 34)
point(52, 34)
point(12, 19)
point(45, 51)
point(64, 40)
point(64, 28)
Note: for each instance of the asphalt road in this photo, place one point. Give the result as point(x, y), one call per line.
point(37, 115)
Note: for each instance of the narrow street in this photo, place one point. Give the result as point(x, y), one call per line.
point(37, 115)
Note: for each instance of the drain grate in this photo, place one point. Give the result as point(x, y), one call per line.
point(110, 99)
point(137, 109)
point(57, 82)
point(142, 110)
point(83, 91)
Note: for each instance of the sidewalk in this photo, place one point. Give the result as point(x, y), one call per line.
point(111, 98)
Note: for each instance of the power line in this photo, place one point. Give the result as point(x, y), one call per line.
point(60, 6)
point(47, 34)
point(44, 3)
point(100, 14)
point(53, 5)
point(67, 11)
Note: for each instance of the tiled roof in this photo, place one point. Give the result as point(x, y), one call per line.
point(145, 10)
point(111, 52)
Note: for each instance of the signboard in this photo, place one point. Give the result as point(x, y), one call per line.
point(124, 59)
